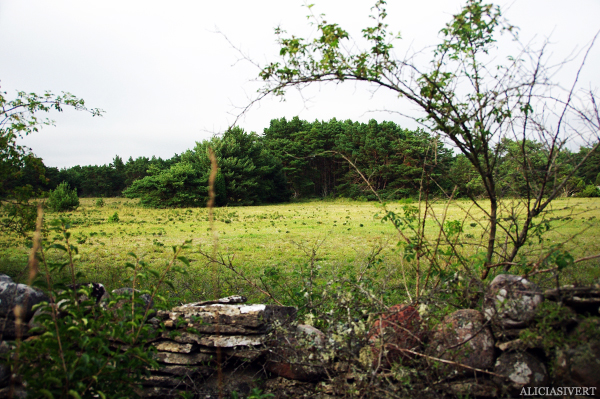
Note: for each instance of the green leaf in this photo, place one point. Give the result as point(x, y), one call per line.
point(74, 394)
point(46, 393)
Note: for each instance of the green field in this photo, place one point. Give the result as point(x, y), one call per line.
point(272, 246)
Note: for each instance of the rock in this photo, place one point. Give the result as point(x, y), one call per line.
point(579, 364)
point(311, 334)
point(519, 345)
point(293, 357)
point(160, 392)
point(97, 291)
point(12, 294)
point(8, 329)
point(471, 388)
point(284, 388)
point(5, 279)
point(174, 347)
point(127, 291)
point(462, 338)
point(521, 369)
point(581, 299)
point(398, 329)
point(235, 318)
point(181, 358)
point(511, 301)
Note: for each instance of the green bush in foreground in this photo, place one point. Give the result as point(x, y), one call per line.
point(63, 198)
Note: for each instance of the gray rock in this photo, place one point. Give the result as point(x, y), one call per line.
point(578, 365)
point(521, 369)
point(8, 329)
point(175, 347)
point(310, 334)
point(462, 338)
point(4, 278)
point(184, 359)
point(12, 294)
point(511, 301)
point(230, 318)
point(97, 291)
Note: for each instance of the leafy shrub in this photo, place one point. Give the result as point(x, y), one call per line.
point(114, 218)
point(63, 198)
point(100, 202)
point(589, 191)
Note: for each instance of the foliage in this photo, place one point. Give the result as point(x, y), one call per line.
point(63, 199)
point(590, 191)
point(21, 172)
point(89, 350)
point(473, 100)
point(114, 218)
point(248, 174)
point(100, 202)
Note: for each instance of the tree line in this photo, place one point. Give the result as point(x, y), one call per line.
point(301, 159)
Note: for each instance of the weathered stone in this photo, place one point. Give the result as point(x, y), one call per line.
point(394, 332)
point(175, 347)
point(8, 329)
point(519, 345)
point(12, 294)
point(160, 392)
point(579, 364)
point(295, 359)
point(185, 371)
point(310, 333)
point(222, 341)
point(163, 381)
point(462, 338)
point(511, 301)
point(5, 279)
point(285, 388)
point(180, 358)
point(521, 369)
point(128, 292)
point(97, 291)
point(581, 299)
point(213, 317)
point(471, 388)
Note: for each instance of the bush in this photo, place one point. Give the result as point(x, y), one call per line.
point(100, 202)
point(589, 191)
point(63, 198)
point(114, 218)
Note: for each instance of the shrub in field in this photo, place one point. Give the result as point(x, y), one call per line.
point(63, 198)
point(589, 191)
point(114, 218)
point(100, 202)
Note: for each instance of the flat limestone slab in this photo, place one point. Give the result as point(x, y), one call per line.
point(214, 317)
point(181, 358)
point(175, 347)
point(221, 341)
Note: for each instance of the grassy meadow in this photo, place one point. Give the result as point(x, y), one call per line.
point(280, 248)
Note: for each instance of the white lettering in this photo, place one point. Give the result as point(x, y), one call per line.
point(523, 392)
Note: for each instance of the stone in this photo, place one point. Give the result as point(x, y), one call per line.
point(578, 365)
point(97, 291)
point(519, 345)
point(128, 291)
point(218, 318)
point(395, 331)
point(185, 371)
point(12, 294)
point(160, 392)
point(291, 356)
point(283, 388)
point(174, 347)
point(520, 369)
point(310, 333)
point(8, 329)
point(4, 278)
point(511, 301)
point(581, 299)
point(462, 338)
point(181, 358)
point(471, 388)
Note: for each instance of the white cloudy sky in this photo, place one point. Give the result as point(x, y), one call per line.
point(166, 79)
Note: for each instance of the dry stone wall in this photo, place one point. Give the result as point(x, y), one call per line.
point(215, 348)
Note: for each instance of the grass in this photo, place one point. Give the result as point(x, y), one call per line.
point(273, 244)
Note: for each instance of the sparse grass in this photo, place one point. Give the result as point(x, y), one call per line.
point(272, 240)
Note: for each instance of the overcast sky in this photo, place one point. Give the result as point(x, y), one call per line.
point(166, 79)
